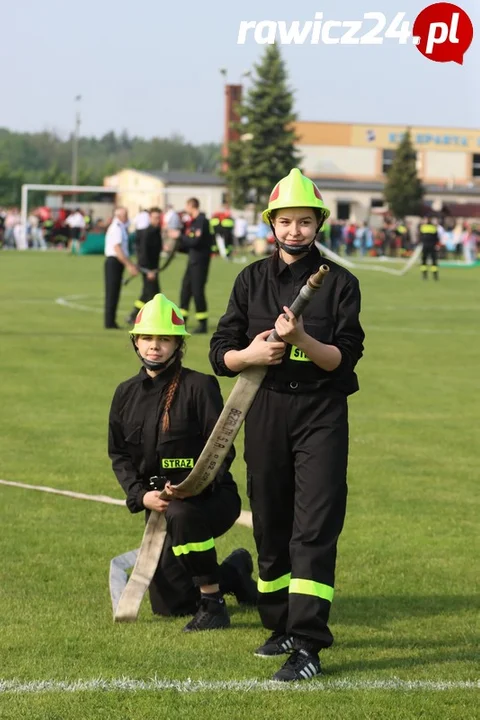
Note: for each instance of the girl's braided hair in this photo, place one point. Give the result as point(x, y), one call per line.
point(172, 388)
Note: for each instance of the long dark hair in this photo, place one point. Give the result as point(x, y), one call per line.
point(173, 385)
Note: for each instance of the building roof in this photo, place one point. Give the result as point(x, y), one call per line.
point(374, 186)
point(181, 177)
point(470, 210)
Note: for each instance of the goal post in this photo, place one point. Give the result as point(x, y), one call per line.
point(78, 189)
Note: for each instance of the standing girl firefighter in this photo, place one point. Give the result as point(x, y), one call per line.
point(159, 422)
point(296, 432)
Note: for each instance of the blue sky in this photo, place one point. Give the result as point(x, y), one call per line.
point(152, 68)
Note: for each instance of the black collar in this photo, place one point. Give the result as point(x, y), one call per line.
point(307, 263)
point(161, 380)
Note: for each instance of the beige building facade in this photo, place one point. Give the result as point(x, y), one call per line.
point(349, 163)
point(138, 190)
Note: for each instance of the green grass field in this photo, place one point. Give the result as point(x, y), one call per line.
point(405, 610)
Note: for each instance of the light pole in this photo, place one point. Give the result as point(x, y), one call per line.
point(76, 134)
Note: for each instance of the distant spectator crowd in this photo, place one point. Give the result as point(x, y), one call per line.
point(390, 239)
point(44, 228)
point(67, 228)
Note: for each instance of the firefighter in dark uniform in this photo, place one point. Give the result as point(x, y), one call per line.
point(149, 247)
point(197, 242)
point(159, 422)
point(403, 238)
point(296, 432)
point(428, 236)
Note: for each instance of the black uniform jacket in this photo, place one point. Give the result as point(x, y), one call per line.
point(198, 241)
point(137, 446)
point(149, 247)
point(332, 317)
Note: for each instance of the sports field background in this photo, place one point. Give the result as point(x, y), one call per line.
point(406, 608)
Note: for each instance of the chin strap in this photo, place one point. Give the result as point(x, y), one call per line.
point(295, 249)
point(155, 365)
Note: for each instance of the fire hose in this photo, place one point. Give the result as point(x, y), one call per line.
point(130, 596)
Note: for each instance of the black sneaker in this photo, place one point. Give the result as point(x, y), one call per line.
point(236, 577)
point(211, 615)
point(277, 644)
point(301, 665)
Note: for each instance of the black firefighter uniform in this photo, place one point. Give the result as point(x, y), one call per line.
point(140, 450)
point(428, 235)
point(296, 439)
point(197, 243)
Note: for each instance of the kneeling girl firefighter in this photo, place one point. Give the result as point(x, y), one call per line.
point(296, 432)
point(159, 423)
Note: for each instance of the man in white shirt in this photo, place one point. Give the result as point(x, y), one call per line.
point(116, 259)
point(240, 231)
point(142, 220)
point(76, 224)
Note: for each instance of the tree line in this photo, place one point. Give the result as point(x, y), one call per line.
point(46, 158)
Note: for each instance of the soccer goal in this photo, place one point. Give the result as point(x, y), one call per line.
point(60, 189)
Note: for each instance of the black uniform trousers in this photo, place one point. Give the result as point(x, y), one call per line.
point(296, 448)
point(189, 558)
point(113, 284)
point(150, 289)
point(429, 251)
point(193, 285)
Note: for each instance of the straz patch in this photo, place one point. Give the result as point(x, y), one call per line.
point(177, 463)
point(297, 354)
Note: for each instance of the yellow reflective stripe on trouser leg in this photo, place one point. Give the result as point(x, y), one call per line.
point(201, 315)
point(310, 587)
point(193, 547)
point(138, 304)
point(268, 586)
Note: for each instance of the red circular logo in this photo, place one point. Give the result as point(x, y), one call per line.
point(443, 32)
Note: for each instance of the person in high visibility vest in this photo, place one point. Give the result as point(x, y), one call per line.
point(296, 431)
point(159, 422)
point(428, 236)
point(221, 226)
point(403, 238)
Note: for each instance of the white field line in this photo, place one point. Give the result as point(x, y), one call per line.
point(244, 519)
point(192, 686)
point(67, 302)
point(387, 328)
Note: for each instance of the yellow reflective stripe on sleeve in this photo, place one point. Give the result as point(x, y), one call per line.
point(297, 354)
point(268, 586)
point(193, 547)
point(310, 587)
